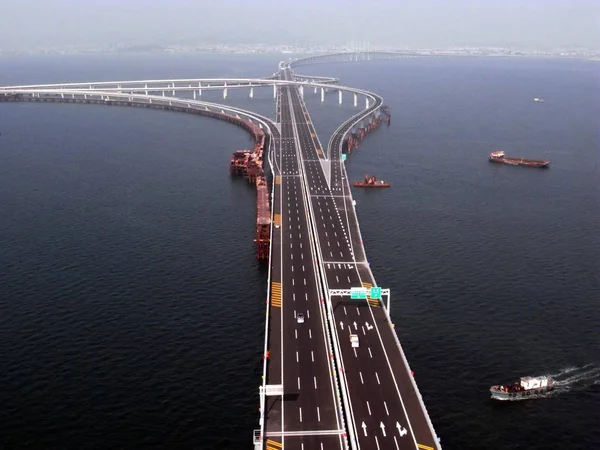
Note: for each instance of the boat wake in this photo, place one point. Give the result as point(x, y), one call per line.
point(572, 379)
point(578, 378)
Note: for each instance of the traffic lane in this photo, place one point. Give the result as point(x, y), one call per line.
point(323, 442)
point(333, 236)
point(315, 372)
point(371, 364)
point(373, 417)
point(313, 411)
point(376, 412)
point(418, 417)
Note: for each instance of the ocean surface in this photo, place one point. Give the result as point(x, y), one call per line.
point(132, 307)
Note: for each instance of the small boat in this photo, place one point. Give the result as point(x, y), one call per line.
point(523, 389)
point(370, 181)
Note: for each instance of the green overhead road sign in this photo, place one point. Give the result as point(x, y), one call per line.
point(375, 293)
point(358, 293)
point(344, 157)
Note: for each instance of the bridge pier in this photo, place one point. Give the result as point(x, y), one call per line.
point(322, 94)
point(355, 100)
point(274, 91)
point(163, 93)
point(315, 89)
point(194, 94)
point(173, 89)
point(251, 92)
point(340, 97)
point(366, 102)
point(225, 93)
point(302, 91)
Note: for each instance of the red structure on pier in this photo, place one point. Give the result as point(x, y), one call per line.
point(355, 139)
point(249, 164)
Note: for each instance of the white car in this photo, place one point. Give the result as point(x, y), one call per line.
point(300, 317)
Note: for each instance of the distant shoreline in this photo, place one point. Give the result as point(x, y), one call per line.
point(287, 54)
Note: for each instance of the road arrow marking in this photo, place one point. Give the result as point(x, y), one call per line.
point(355, 327)
point(382, 426)
point(341, 325)
point(402, 431)
point(364, 427)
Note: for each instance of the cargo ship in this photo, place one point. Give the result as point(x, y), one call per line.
point(523, 389)
point(370, 181)
point(500, 157)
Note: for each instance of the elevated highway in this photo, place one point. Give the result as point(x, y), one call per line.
point(318, 391)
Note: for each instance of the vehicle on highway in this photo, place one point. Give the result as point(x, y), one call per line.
point(354, 340)
point(300, 318)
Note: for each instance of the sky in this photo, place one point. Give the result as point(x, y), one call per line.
point(539, 24)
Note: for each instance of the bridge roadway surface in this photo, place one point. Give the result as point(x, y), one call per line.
point(385, 408)
point(307, 417)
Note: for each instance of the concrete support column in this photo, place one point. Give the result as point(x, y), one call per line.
point(322, 94)
point(301, 91)
point(163, 93)
point(62, 95)
point(274, 91)
point(340, 97)
point(355, 100)
point(194, 95)
point(173, 89)
point(366, 102)
point(225, 93)
point(315, 89)
point(251, 92)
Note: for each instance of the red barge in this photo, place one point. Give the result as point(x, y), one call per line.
point(370, 181)
point(500, 157)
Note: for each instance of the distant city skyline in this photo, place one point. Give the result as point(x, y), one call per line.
point(527, 24)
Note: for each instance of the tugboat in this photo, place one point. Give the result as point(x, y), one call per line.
point(370, 181)
point(522, 389)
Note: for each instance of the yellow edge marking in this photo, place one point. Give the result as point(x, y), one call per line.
point(274, 443)
point(425, 447)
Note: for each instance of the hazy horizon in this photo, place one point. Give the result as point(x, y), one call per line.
point(540, 24)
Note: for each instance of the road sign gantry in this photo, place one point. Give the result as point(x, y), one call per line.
point(362, 293)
